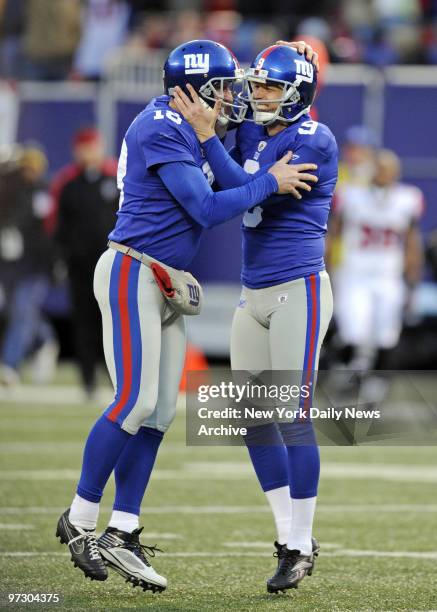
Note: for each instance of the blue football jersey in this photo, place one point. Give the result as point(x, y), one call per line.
point(149, 218)
point(285, 239)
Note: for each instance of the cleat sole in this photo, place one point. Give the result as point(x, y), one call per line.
point(146, 586)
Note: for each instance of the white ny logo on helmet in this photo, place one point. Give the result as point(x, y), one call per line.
point(196, 63)
point(304, 71)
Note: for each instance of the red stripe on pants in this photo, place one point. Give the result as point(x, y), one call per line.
point(312, 348)
point(126, 343)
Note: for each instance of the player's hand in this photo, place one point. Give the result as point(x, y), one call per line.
point(197, 112)
point(304, 49)
point(293, 177)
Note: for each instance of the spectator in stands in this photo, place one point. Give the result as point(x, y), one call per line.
point(104, 29)
point(152, 32)
point(188, 25)
point(11, 31)
point(26, 259)
point(140, 7)
point(381, 32)
point(358, 155)
point(87, 200)
point(52, 31)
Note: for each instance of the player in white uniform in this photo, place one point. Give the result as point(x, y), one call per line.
point(381, 258)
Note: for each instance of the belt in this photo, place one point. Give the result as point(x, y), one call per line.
point(181, 290)
point(142, 257)
point(128, 251)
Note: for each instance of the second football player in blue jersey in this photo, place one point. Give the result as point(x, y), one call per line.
point(286, 302)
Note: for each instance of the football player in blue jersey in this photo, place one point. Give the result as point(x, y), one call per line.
point(166, 201)
point(286, 301)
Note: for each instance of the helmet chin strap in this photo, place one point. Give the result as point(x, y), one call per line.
point(264, 118)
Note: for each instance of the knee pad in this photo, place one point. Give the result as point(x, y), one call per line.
point(162, 417)
point(136, 418)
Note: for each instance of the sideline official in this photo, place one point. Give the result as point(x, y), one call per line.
point(87, 200)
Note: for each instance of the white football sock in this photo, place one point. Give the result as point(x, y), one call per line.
point(280, 503)
point(302, 516)
point(124, 521)
point(84, 513)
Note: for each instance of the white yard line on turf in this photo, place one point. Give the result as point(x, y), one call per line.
point(242, 471)
point(51, 395)
point(342, 552)
point(330, 469)
point(261, 509)
point(22, 510)
point(268, 545)
point(59, 395)
point(162, 536)
point(32, 448)
point(12, 526)
point(49, 447)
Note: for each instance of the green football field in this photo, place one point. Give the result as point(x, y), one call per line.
point(376, 521)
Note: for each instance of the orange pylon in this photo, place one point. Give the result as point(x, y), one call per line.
point(195, 360)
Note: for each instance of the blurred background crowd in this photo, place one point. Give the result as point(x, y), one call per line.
point(55, 216)
point(51, 236)
point(73, 39)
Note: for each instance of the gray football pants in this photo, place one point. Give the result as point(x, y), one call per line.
point(144, 357)
point(283, 327)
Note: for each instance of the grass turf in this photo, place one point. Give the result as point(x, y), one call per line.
point(216, 559)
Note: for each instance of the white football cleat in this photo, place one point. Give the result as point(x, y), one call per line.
point(124, 553)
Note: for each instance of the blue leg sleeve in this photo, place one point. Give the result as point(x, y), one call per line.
point(103, 448)
point(303, 459)
point(269, 455)
point(134, 467)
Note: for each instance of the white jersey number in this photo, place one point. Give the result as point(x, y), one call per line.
point(252, 217)
point(308, 127)
point(208, 173)
point(121, 172)
point(170, 115)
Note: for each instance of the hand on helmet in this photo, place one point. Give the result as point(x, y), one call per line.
point(304, 49)
point(292, 177)
point(196, 111)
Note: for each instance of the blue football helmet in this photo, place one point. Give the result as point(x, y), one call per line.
point(283, 66)
point(213, 71)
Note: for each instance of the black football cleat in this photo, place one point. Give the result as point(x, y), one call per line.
point(281, 548)
point(292, 568)
point(83, 548)
point(124, 553)
point(316, 547)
